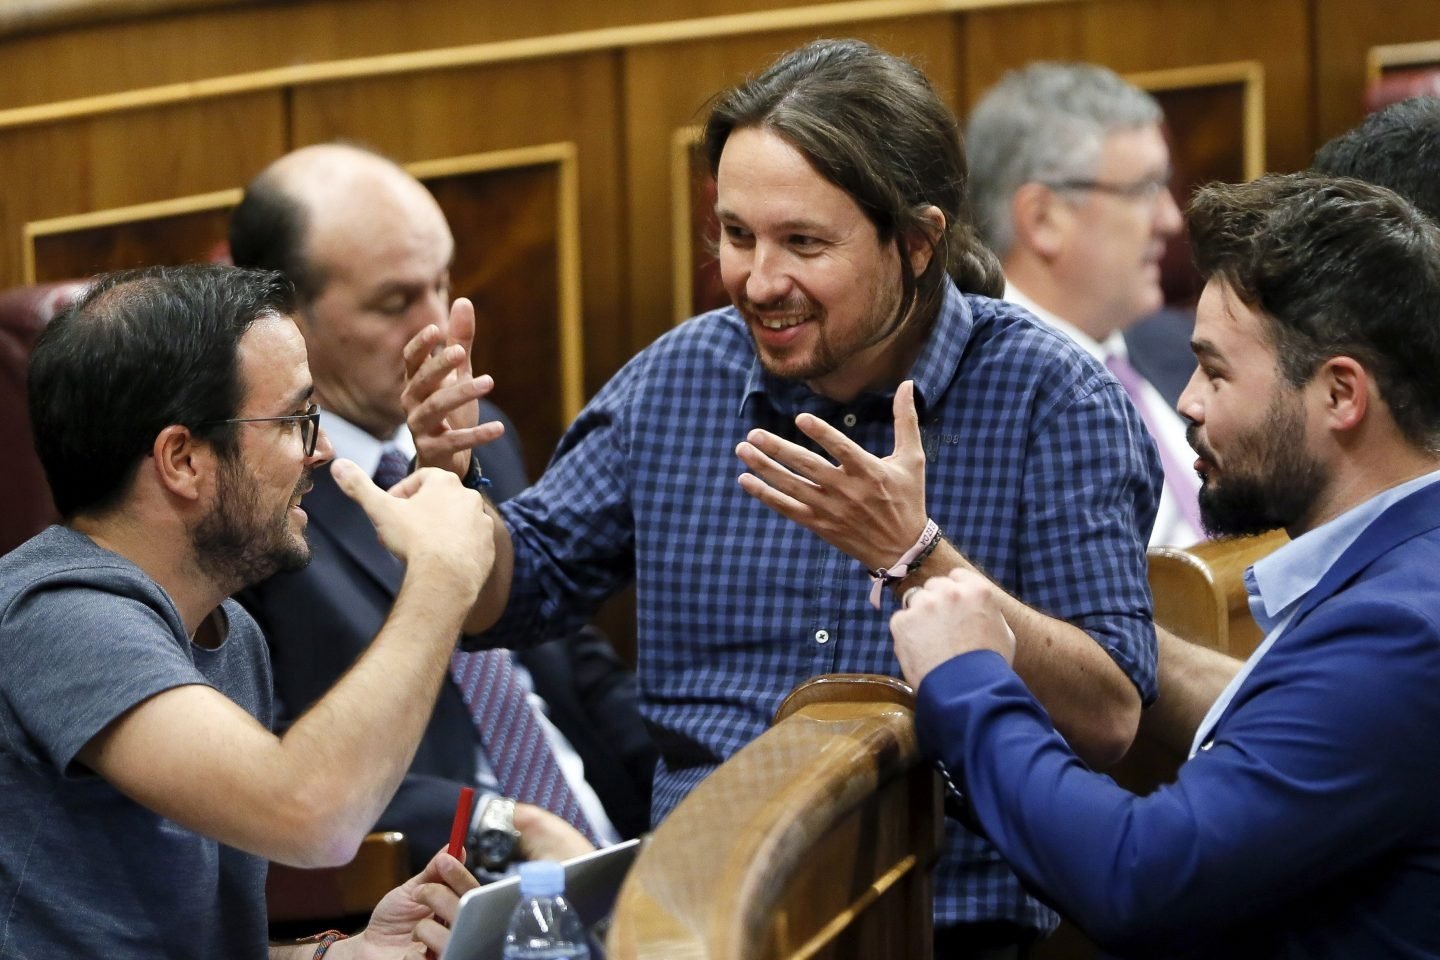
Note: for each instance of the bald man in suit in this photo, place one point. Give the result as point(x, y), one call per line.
point(369, 251)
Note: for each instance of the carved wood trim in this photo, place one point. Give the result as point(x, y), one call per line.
point(172, 207)
point(502, 51)
point(1389, 56)
point(1249, 74)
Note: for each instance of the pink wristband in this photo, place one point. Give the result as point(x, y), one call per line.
point(880, 578)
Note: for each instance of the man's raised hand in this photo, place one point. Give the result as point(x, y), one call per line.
point(441, 397)
point(872, 508)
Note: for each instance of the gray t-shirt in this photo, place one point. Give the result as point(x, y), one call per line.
point(85, 871)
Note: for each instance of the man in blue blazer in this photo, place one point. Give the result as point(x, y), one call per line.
point(369, 251)
point(1304, 823)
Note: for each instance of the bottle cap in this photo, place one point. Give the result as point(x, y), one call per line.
point(541, 878)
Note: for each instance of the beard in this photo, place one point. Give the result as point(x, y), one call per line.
point(1270, 480)
point(832, 348)
point(236, 545)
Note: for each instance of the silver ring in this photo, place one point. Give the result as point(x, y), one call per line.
point(905, 597)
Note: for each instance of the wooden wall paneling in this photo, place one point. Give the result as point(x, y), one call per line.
point(329, 39)
point(1215, 123)
point(56, 170)
point(1005, 38)
point(505, 107)
point(526, 289)
point(1345, 32)
point(665, 90)
point(182, 230)
point(1395, 72)
point(94, 58)
point(695, 230)
point(1135, 36)
point(75, 55)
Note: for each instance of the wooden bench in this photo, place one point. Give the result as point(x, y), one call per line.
point(815, 840)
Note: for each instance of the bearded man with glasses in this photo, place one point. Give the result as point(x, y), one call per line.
point(140, 786)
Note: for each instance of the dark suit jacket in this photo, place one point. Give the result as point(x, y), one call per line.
point(1159, 349)
point(320, 619)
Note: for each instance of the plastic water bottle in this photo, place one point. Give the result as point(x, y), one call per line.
point(544, 926)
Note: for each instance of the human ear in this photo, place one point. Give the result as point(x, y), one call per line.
point(920, 245)
point(181, 463)
point(1040, 220)
point(1347, 391)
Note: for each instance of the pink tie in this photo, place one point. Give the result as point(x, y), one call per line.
point(1176, 473)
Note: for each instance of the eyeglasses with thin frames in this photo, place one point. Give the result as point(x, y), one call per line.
point(1148, 189)
point(309, 425)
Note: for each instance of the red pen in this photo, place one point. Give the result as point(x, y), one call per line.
point(461, 826)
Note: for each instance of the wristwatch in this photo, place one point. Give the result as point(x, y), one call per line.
point(495, 837)
point(474, 478)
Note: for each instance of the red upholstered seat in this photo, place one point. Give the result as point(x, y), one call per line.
point(25, 504)
point(1402, 84)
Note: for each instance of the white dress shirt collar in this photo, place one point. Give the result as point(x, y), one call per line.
point(353, 443)
point(1111, 346)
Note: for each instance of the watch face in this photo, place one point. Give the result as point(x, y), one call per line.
point(495, 848)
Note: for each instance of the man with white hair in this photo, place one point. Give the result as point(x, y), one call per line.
point(1070, 182)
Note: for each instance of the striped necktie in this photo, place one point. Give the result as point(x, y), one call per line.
point(514, 740)
point(394, 467)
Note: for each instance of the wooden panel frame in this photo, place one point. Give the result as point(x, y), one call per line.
point(27, 16)
point(562, 155)
point(1391, 56)
point(682, 227)
point(479, 54)
point(197, 203)
point(1248, 74)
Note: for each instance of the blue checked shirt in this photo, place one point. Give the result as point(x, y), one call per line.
point(1038, 469)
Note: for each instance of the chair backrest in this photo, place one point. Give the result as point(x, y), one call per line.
point(814, 840)
point(24, 311)
point(1392, 86)
point(1199, 591)
point(1199, 596)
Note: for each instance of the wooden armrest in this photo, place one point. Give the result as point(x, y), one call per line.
point(817, 835)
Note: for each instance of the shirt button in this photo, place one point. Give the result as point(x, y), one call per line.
point(848, 419)
point(822, 636)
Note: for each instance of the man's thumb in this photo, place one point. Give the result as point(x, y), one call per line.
point(355, 483)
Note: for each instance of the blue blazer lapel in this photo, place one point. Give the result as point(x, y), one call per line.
point(1417, 514)
point(343, 521)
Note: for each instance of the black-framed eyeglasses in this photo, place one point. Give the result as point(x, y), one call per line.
point(309, 425)
point(1148, 189)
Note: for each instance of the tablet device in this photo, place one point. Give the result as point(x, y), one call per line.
point(592, 882)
